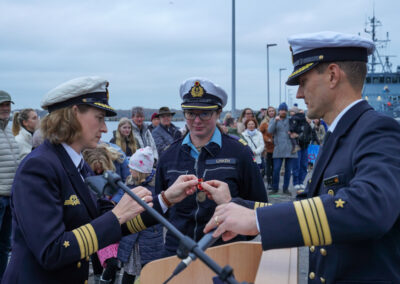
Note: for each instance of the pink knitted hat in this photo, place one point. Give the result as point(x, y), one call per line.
point(142, 161)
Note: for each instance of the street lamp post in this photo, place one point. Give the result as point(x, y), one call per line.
point(233, 62)
point(268, 46)
point(280, 83)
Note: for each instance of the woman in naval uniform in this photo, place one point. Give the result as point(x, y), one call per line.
point(57, 221)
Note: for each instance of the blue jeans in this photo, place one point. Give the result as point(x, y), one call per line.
point(277, 172)
point(5, 232)
point(300, 167)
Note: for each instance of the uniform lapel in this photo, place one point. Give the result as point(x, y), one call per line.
point(81, 188)
point(344, 125)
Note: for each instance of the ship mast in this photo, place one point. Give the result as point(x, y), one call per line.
point(373, 22)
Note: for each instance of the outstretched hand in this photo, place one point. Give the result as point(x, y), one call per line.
point(230, 220)
point(217, 190)
point(127, 208)
point(184, 186)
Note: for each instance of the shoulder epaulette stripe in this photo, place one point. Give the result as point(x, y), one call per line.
point(313, 222)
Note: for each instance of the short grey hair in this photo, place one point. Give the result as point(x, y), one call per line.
point(137, 111)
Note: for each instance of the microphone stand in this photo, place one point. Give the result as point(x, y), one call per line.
point(225, 273)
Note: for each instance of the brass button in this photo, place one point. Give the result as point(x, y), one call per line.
point(331, 192)
point(79, 264)
point(87, 258)
point(86, 282)
point(312, 248)
point(311, 275)
point(322, 279)
point(323, 252)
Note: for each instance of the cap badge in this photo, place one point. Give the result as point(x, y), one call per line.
point(197, 90)
point(321, 57)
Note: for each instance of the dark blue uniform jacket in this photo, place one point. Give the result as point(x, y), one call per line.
point(232, 163)
point(57, 222)
point(350, 217)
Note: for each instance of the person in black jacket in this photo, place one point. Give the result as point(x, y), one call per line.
point(300, 130)
point(208, 154)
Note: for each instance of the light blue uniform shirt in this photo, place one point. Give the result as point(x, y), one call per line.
point(216, 138)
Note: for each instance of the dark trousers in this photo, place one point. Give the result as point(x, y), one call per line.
point(269, 167)
point(277, 172)
point(5, 232)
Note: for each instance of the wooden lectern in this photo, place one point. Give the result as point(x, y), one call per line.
point(247, 259)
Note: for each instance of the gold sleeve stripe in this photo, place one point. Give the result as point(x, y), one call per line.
point(80, 242)
point(302, 222)
point(131, 229)
point(94, 237)
point(324, 221)
point(317, 221)
point(140, 221)
point(261, 204)
point(136, 225)
point(88, 238)
point(313, 222)
point(310, 221)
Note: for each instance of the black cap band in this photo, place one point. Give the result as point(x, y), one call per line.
point(330, 55)
point(97, 99)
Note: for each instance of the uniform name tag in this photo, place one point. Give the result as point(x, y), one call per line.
point(331, 181)
point(226, 161)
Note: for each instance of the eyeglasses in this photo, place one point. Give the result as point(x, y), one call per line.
point(204, 116)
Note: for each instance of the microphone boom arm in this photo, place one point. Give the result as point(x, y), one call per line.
point(225, 274)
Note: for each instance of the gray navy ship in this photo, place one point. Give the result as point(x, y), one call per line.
point(382, 85)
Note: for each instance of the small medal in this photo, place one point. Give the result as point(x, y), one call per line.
point(201, 196)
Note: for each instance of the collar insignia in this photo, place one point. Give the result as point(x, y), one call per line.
point(197, 91)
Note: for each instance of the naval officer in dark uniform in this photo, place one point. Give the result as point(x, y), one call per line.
point(57, 221)
point(349, 215)
point(208, 154)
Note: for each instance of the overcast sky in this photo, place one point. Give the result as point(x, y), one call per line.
point(145, 49)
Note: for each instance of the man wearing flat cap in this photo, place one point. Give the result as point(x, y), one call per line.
point(166, 132)
point(208, 154)
point(349, 212)
point(9, 153)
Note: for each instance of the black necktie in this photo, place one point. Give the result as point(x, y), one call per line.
point(82, 170)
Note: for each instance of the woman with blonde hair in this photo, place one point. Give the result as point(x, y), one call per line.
point(246, 114)
point(102, 158)
point(57, 221)
point(124, 138)
point(25, 122)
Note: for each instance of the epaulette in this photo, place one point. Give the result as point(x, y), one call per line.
point(241, 140)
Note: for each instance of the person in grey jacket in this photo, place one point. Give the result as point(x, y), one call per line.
point(141, 131)
point(166, 132)
point(279, 127)
point(9, 160)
